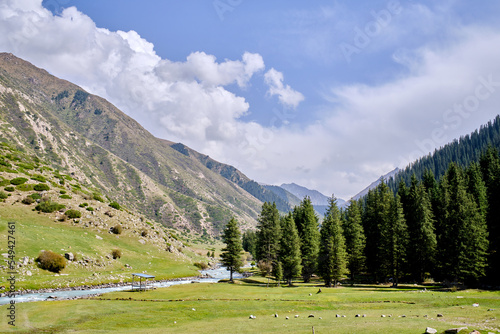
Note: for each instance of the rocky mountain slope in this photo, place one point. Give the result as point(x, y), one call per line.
point(88, 138)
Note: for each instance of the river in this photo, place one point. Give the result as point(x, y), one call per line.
point(214, 275)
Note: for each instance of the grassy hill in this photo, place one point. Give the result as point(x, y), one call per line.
point(89, 139)
point(26, 182)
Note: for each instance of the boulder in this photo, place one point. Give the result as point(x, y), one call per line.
point(454, 330)
point(430, 330)
point(69, 256)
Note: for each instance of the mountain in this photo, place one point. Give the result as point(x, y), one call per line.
point(234, 175)
point(374, 184)
point(319, 201)
point(88, 138)
point(287, 196)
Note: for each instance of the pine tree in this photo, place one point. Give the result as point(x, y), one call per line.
point(354, 239)
point(268, 233)
point(394, 240)
point(422, 238)
point(376, 210)
point(250, 242)
point(289, 257)
point(231, 254)
point(464, 236)
point(332, 258)
point(490, 169)
point(307, 226)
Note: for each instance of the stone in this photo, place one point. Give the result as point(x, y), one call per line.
point(25, 260)
point(364, 315)
point(69, 256)
point(287, 318)
point(296, 316)
point(454, 330)
point(98, 237)
point(357, 315)
point(311, 316)
point(475, 332)
point(275, 315)
point(382, 316)
point(430, 330)
point(439, 315)
point(338, 316)
point(252, 317)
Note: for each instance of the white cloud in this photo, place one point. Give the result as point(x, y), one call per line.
point(286, 95)
point(363, 130)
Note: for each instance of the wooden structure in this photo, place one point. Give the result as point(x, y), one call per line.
point(141, 285)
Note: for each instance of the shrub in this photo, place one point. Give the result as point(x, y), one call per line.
point(117, 229)
point(90, 208)
point(49, 206)
point(4, 183)
point(25, 187)
point(116, 253)
point(18, 180)
point(41, 187)
point(115, 205)
point(83, 205)
point(62, 192)
point(98, 197)
point(71, 214)
point(38, 177)
point(144, 233)
point(201, 265)
point(28, 200)
point(9, 189)
point(48, 260)
point(35, 196)
point(65, 197)
point(3, 195)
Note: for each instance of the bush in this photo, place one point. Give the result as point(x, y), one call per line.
point(25, 187)
point(49, 206)
point(9, 189)
point(48, 260)
point(83, 205)
point(117, 229)
point(90, 208)
point(18, 180)
point(65, 197)
point(35, 196)
point(28, 200)
point(39, 178)
point(201, 265)
point(3, 195)
point(97, 197)
point(41, 187)
point(71, 214)
point(114, 205)
point(144, 233)
point(116, 253)
point(62, 192)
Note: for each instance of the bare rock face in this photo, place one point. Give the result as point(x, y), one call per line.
point(69, 256)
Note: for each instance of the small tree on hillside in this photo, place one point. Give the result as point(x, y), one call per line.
point(231, 254)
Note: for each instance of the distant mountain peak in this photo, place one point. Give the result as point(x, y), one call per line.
point(374, 184)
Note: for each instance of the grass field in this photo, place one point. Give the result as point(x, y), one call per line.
point(225, 308)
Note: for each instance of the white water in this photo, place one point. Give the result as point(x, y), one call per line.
point(215, 276)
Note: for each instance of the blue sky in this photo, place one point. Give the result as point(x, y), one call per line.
point(327, 94)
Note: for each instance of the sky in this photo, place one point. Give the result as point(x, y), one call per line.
point(326, 94)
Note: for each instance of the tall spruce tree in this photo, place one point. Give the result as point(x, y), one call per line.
point(422, 238)
point(231, 254)
point(377, 206)
point(354, 239)
point(289, 257)
point(490, 169)
point(307, 225)
point(268, 234)
point(332, 257)
point(394, 240)
point(464, 236)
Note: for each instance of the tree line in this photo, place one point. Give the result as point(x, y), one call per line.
point(446, 229)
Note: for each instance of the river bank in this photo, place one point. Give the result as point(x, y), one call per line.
point(87, 291)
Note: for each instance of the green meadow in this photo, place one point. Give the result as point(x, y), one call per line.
point(225, 308)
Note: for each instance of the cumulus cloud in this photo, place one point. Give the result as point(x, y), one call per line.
point(363, 130)
point(286, 95)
